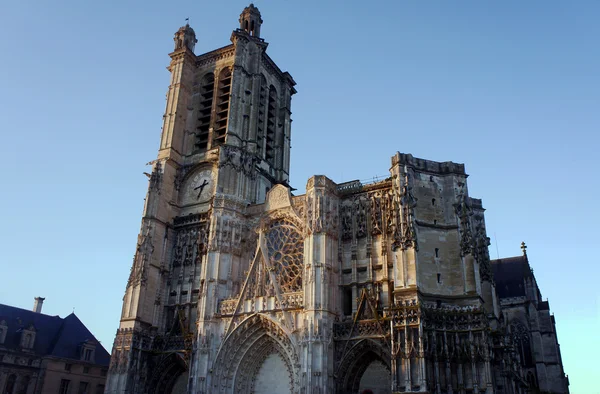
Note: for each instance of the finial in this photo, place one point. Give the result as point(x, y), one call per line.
point(524, 248)
point(250, 21)
point(185, 37)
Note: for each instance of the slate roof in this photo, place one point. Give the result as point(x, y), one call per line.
point(510, 274)
point(55, 336)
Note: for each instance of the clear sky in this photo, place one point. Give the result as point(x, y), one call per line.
point(510, 88)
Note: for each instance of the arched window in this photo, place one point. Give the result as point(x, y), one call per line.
point(531, 381)
point(205, 110)
point(262, 113)
point(222, 109)
point(10, 384)
point(3, 331)
point(271, 117)
point(27, 341)
point(24, 385)
point(520, 336)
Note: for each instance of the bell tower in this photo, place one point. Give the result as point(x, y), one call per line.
point(225, 143)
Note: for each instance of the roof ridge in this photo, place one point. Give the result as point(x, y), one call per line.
point(30, 311)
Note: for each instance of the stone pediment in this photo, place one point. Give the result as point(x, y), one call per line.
point(278, 198)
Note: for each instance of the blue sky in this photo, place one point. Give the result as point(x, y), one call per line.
point(509, 88)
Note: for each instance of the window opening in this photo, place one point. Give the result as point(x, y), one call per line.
point(285, 248)
point(10, 384)
point(204, 111)
point(83, 388)
point(437, 252)
point(433, 201)
point(24, 385)
point(270, 143)
point(222, 108)
point(347, 300)
point(262, 109)
point(64, 386)
point(439, 278)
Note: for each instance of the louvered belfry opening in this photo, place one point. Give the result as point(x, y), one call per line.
point(222, 108)
point(270, 144)
point(204, 111)
point(262, 109)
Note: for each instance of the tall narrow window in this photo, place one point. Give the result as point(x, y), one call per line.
point(10, 384)
point(222, 109)
point(347, 301)
point(204, 111)
point(83, 388)
point(262, 110)
point(270, 143)
point(24, 385)
point(64, 386)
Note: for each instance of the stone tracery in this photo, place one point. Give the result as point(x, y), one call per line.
point(285, 247)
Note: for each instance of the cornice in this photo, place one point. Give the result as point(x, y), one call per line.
point(217, 54)
point(284, 77)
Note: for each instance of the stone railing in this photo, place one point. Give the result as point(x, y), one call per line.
point(262, 304)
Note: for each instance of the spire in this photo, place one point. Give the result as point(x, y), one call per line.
point(524, 248)
point(185, 38)
point(250, 21)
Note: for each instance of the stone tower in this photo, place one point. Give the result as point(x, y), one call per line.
point(238, 286)
point(225, 143)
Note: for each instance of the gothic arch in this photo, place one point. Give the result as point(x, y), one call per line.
point(356, 361)
point(285, 213)
point(244, 351)
point(522, 341)
point(167, 372)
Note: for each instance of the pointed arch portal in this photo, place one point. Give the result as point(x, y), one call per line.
point(365, 367)
point(257, 357)
point(171, 375)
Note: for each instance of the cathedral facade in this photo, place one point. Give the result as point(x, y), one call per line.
point(239, 286)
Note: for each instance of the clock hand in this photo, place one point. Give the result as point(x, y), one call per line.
point(201, 187)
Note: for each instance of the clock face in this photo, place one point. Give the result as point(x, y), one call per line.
point(199, 187)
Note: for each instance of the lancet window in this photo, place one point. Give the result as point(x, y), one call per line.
point(222, 107)
point(271, 126)
point(522, 343)
point(262, 113)
point(205, 110)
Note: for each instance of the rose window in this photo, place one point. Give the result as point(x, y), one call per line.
point(285, 247)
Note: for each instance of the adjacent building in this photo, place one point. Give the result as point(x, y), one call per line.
point(48, 354)
point(530, 325)
point(239, 286)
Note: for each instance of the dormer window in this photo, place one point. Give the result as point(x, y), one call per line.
point(3, 331)
point(88, 350)
point(28, 337)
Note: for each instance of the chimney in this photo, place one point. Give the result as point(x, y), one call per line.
point(37, 305)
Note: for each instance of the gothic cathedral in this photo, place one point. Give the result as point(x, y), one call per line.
point(239, 286)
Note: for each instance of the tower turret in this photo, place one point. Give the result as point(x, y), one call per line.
point(250, 21)
point(185, 37)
